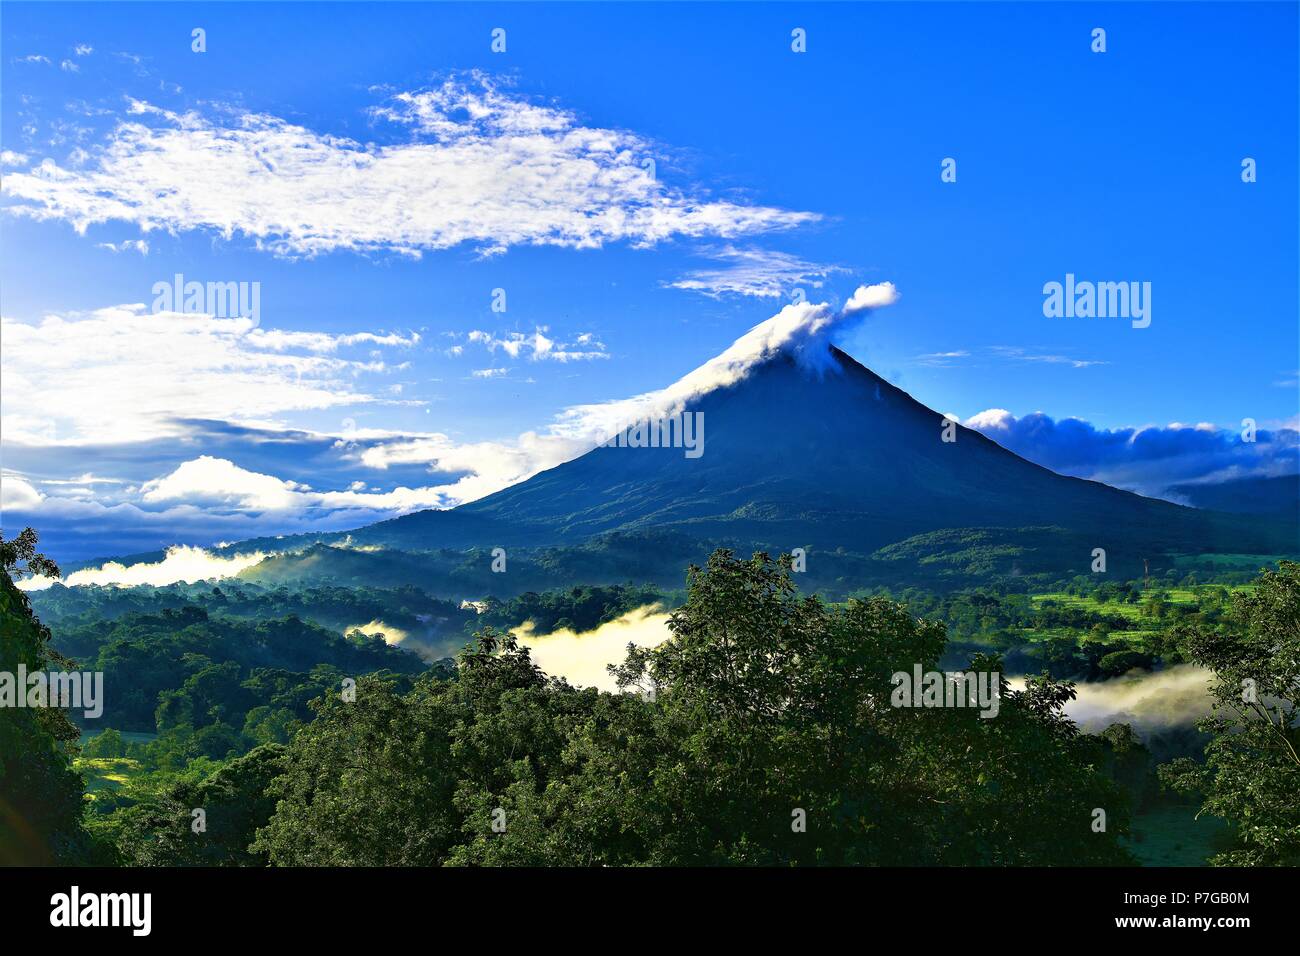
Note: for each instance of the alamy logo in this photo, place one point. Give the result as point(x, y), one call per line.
point(77, 690)
point(982, 689)
point(73, 909)
point(1101, 300)
point(223, 300)
point(684, 430)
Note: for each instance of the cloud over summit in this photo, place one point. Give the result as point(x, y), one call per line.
point(801, 330)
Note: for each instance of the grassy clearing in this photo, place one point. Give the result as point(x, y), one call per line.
point(106, 773)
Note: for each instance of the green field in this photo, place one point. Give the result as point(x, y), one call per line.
point(106, 773)
point(1175, 596)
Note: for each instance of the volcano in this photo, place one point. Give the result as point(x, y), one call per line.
point(830, 457)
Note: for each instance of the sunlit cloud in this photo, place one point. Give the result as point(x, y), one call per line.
point(582, 658)
point(182, 564)
point(218, 482)
point(1150, 702)
point(179, 365)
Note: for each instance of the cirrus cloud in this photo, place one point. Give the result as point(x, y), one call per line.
point(760, 273)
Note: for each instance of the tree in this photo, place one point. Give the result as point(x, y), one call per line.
point(1251, 775)
point(19, 557)
point(40, 794)
point(760, 732)
point(1118, 663)
point(367, 783)
point(234, 802)
point(108, 744)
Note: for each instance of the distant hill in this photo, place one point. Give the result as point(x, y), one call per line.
point(1258, 496)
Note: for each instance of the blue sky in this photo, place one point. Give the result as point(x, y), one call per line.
point(379, 171)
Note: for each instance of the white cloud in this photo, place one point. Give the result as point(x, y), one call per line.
point(17, 492)
point(124, 374)
point(1001, 354)
point(754, 272)
point(487, 466)
point(481, 167)
point(182, 563)
point(68, 66)
point(395, 636)
point(941, 359)
point(582, 658)
point(871, 297)
point(1149, 702)
point(9, 158)
point(83, 49)
point(128, 245)
point(1026, 355)
point(84, 479)
point(991, 419)
point(90, 526)
point(1148, 459)
point(209, 481)
point(280, 340)
point(538, 347)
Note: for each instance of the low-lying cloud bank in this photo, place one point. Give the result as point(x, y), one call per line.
point(183, 564)
point(425, 649)
point(581, 659)
point(1153, 702)
point(1149, 459)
